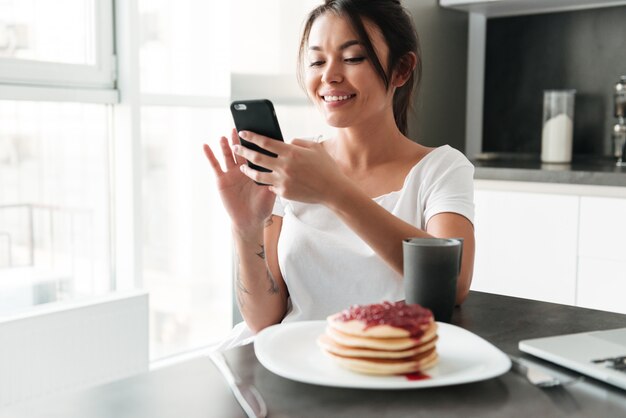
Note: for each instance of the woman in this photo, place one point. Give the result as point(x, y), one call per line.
point(327, 233)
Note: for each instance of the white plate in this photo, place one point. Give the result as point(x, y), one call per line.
point(291, 351)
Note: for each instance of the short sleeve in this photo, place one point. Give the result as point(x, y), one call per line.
point(279, 207)
point(452, 190)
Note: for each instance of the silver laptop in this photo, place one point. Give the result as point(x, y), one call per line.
point(599, 354)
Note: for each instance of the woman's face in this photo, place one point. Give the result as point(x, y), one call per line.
point(339, 77)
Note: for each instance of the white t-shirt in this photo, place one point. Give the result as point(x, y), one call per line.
point(328, 268)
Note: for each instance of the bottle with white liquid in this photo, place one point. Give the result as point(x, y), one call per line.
point(558, 126)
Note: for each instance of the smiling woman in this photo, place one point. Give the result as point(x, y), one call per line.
point(327, 231)
point(393, 35)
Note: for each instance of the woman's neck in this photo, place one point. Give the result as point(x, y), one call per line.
point(361, 147)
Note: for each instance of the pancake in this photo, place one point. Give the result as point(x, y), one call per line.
point(418, 363)
point(382, 339)
point(392, 344)
point(384, 320)
point(329, 344)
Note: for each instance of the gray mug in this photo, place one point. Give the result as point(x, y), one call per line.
point(431, 272)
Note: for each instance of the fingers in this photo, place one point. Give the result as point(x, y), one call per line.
point(234, 140)
point(303, 143)
point(229, 157)
point(258, 176)
point(234, 137)
point(215, 165)
point(255, 157)
point(264, 142)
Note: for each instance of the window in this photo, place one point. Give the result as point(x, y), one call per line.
point(54, 217)
point(186, 250)
point(59, 43)
point(186, 234)
point(103, 183)
point(56, 83)
point(194, 58)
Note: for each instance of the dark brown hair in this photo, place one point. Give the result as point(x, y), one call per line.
point(396, 26)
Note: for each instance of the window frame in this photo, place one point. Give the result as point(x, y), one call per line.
point(100, 76)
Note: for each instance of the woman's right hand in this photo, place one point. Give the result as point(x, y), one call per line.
point(247, 203)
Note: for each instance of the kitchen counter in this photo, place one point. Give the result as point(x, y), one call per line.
point(528, 168)
point(195, 388)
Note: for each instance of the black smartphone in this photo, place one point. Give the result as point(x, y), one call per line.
point(257, 116)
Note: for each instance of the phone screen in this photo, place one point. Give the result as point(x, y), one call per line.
point(257, 116)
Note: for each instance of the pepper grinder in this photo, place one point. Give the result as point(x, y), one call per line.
point(619, 129)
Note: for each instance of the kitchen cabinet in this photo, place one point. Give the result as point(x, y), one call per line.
point(526, 245)
point(555, 243)
point(601, 284)
point(602, 254)
point(603, 228)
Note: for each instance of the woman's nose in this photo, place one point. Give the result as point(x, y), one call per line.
point(332, 73)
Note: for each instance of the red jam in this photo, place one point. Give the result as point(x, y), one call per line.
point(416, 376)
point(411, 317)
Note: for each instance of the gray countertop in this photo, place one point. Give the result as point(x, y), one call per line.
point(599, 171)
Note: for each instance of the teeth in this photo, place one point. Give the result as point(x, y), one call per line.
point(336, 98)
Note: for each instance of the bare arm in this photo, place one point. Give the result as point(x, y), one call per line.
point(260, 289)
point(259, 286)
point(384, 232)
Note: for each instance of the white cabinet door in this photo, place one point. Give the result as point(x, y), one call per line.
point(603, 228)
point(602, 284)
point(602, 251)
point(526, 245)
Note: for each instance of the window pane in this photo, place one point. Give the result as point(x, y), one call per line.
point(184, 47)
point(54, 202)
point(187, 243)
point(43, 30)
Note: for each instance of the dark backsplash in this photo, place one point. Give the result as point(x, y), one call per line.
point(583, 50)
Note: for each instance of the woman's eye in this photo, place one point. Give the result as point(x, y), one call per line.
point(354, 60)
point(315, 63)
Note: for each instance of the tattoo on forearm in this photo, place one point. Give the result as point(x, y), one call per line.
point(273, 289)
point(269, 221)
point(240, 287)
point(262, 252)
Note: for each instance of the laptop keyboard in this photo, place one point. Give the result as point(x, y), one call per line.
point(615, 363)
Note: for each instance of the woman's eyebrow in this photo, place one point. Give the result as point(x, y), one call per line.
point(343, 46)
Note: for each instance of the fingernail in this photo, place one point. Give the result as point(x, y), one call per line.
point(243, 134)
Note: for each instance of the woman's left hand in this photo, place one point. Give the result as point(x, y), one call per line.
point(303, 170)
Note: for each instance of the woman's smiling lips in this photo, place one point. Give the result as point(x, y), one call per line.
point(336, 98)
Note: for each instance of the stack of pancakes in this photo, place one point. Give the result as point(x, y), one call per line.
point(382, 339)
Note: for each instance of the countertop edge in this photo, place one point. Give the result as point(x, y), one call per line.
point(562, 175)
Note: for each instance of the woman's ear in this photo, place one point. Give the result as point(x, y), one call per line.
point(404, 69)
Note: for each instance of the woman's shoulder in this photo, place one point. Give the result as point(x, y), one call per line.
point(447, 152)
point(442, 156)
point(445, 157)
